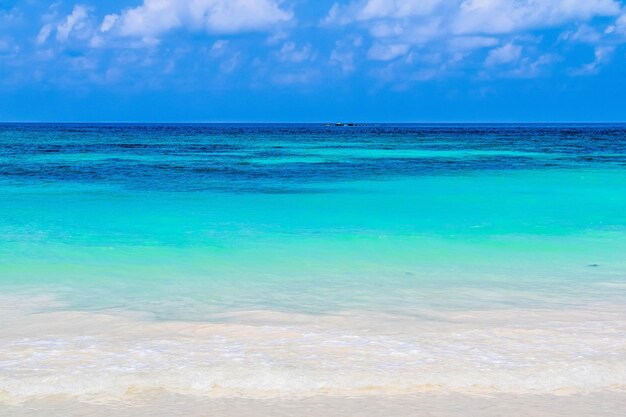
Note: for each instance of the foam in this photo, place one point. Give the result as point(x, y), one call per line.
point(269, 354)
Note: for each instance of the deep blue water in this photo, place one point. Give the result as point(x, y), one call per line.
point(292, 158)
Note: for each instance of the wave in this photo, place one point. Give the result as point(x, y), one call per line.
point(269, 354)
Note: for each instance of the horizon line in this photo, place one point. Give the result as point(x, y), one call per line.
point(356, 123)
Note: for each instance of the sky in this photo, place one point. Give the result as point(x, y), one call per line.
point(313, 60)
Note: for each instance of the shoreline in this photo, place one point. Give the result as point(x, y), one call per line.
point(104, 357)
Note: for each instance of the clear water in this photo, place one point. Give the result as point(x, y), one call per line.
point(297, 259)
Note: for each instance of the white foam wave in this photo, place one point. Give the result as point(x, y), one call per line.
point(270, 354)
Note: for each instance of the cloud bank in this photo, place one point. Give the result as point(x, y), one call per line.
point(295, 42)
point(156, 17)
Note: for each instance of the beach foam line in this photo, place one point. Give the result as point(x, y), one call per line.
point(110, 356)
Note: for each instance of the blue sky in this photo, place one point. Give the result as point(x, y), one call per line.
point(305, 60)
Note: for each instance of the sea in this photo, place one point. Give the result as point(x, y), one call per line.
point(297, 261)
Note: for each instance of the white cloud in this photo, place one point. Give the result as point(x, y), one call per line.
point(277, 37)
point(507, 16)
point(374, 9)
point(77, 24)
point(419, 21)
point(344, 53)
point(602, 54)
point(231, 64)
point(504, 55)
point(465, 43)
point(289, 52)
point(44, 34)
point(382, 52)
point(155, 17)
point(74, 21)
point(96, 42)
point(620, 24)
point(218, 47)
point(585, 34)
point(344, 59)
point(462, 26)
point(364, 10)
point(301, 77)
point(533, 68)
point(476, 16)
point(108, 22)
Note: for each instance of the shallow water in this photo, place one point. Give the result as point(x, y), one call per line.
point(264, 261)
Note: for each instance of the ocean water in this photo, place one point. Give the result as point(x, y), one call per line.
point(272, 261)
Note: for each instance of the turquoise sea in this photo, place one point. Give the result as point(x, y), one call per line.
point(271, 260)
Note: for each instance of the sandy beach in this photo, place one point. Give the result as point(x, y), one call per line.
point(427, 405)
